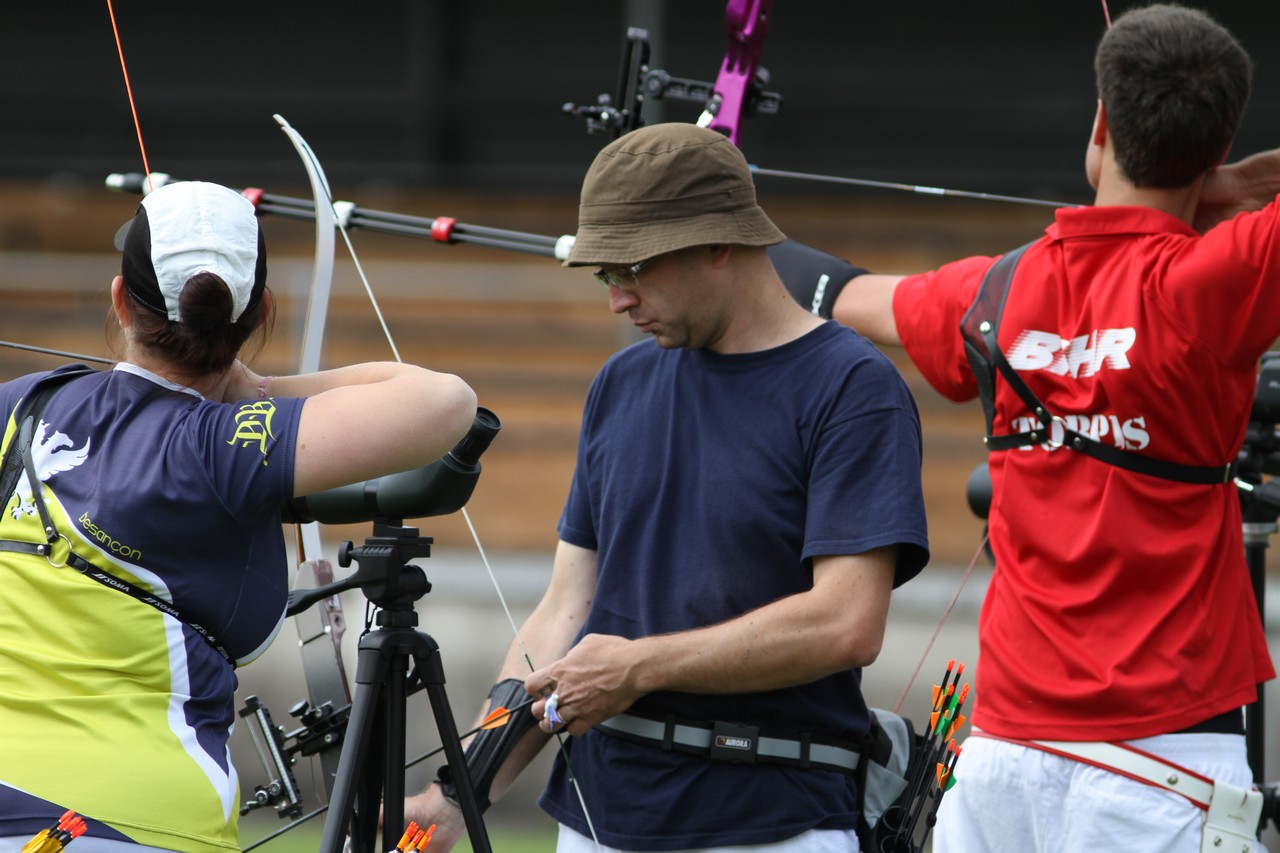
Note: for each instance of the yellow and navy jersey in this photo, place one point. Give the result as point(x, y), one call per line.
point(108, 705)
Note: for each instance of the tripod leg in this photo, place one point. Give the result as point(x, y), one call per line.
point(371, 670)
point(393, 748)
point(379, 759)
point(1256, 536)
point(432, 673)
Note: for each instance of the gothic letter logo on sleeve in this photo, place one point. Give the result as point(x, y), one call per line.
point(253, 426)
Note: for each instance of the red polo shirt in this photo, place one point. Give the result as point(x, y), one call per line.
point(1121, 605)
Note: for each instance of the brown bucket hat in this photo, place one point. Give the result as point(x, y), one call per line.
point(667, 187)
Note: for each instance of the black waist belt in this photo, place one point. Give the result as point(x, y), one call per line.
point(732, 742)
point(1227, 723)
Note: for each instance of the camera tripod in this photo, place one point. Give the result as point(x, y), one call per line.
point(1260, 506)
point(370, 771)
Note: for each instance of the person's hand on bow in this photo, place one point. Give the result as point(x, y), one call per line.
point(593, 682)
point(1233, 188)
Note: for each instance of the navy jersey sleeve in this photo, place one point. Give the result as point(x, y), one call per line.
point(248, 451)
point(864, 487)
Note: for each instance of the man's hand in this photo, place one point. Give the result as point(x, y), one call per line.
point(591, 683)
point(431, 807)
point(1235, 188)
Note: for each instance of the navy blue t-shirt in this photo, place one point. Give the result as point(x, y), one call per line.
point(706, 483)
point(178, 495)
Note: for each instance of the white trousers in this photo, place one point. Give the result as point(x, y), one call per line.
point(1024, 800)
point(813, 841)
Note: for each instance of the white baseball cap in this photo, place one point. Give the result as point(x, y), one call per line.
point(191, 227)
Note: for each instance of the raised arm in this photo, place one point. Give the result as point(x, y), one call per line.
point(833, 288)
point(365, 420)
point(866, 306)
point(1249, 184)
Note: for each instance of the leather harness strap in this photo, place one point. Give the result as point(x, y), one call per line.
point(18, 458)
point(980, 327)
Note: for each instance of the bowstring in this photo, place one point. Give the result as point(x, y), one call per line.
point(128, 87)
point(515, 630)
point(946, 614)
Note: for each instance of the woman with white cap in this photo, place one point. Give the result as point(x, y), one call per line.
point(148, 560)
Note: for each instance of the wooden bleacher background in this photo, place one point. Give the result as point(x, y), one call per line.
point(457, 106)
point(526, 333)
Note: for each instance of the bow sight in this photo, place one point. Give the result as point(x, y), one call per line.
point(738, 90)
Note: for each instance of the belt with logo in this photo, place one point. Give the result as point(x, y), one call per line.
point(735, 743)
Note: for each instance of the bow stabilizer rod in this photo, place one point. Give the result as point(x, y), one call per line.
point(441, 229)
point(58, 352)
point(910, 188)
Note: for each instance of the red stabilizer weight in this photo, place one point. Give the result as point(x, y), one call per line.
point(442, 229)
point(253, 194)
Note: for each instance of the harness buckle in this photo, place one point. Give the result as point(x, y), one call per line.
point(1052, 443)
point(734, 743)
point(48, 554)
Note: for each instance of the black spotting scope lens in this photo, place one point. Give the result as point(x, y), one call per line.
point(442, 487)
point(468, 449)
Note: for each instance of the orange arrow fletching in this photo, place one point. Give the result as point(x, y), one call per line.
point(496, 719)
point(407, 838)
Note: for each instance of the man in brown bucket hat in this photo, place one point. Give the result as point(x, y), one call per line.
point(747, 493)
point(666, 188)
